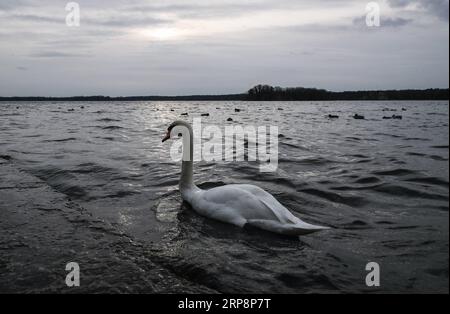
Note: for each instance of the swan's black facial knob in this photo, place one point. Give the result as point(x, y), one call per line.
point(180, 134)
point(166, 137)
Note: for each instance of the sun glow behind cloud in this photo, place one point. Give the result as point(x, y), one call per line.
point(334, 15)
point(160, 34)
point(184, 28)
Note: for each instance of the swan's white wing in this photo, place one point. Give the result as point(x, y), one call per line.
point(289, 224)
point(283, 214)
point(249, 204)
point(231, 203)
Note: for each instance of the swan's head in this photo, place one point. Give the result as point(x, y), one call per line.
point(177, 127)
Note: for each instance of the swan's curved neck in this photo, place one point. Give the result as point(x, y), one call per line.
point(187, 171)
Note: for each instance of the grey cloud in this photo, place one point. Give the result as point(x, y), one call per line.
point(210, 10)
point(126, 21)
point(57, 54)
point(399, 3)
point(119, 21)
point(37, 18)
point(395, 22)
point(439, 8)
point(7, 5)
point(385, 22)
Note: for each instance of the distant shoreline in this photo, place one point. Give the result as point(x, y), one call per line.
point(269, 93)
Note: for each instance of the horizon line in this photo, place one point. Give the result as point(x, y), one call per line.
point(232, 94)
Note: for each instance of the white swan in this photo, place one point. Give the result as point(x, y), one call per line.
point(237, 204)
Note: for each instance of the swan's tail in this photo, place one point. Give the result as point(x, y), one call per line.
point(298, 229)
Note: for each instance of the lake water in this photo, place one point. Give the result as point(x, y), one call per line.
point(382, 185)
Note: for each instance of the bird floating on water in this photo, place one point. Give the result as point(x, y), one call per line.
point(236, 204)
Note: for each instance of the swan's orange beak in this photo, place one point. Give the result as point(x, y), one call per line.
point(166, 137)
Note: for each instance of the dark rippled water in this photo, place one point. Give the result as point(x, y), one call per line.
point(382, 185)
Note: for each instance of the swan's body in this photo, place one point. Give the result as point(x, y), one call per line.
point(237, 204)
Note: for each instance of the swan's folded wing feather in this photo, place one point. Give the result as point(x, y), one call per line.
point(282, 213)
point(275, 211)
point(242, 204)
point(234, 199)
point(250, 201)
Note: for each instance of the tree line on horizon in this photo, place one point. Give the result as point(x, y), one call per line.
point(270, 93)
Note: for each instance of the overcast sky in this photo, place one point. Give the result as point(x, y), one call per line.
point(178, 47)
